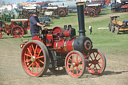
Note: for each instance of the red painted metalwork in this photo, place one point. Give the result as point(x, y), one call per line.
point(57, 30)
point(0, 34)
point(49, 40)
point(13, 24)
point(1, 29)
point(124, 6)
point(7, 29)
point(63, 46)
point(66, 33)
point(36, 38)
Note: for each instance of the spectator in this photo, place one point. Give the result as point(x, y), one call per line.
point(90, 28)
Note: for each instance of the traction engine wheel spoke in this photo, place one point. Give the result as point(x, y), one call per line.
point(97, 62)
point(75, 64)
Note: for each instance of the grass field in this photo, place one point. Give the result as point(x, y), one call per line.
point(102, 38)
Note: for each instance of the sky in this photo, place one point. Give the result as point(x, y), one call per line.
point(18, 1)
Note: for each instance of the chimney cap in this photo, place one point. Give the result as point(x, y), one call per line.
point(80, 3)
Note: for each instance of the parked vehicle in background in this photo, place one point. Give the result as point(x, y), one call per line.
point(117, 25)
point(45, 21)
point(17, 28)
point(92, 10)
point(116, 6)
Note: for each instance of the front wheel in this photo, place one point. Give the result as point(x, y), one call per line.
point(97, 62)
point(112, 28)
point(75, 64)
point(116, 30)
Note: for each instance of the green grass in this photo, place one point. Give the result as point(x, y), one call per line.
point(102, 38)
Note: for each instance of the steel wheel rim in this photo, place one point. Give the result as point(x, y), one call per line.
point(33, 59)
point(74, 66)
point(17, 32)
point(96, 64)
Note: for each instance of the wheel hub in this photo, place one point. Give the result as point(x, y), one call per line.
point(95, 62)
point(33, 58)
point(17, 32)
point(75, 64)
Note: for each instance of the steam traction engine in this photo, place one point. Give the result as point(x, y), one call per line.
point(92, 9)
point(17, 28)
point(59, 50)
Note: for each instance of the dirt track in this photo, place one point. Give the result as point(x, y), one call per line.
point(12, 73)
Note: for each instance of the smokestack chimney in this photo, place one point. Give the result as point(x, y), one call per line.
point(80, 11)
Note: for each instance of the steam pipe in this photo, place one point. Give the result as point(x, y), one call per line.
point(80, 11)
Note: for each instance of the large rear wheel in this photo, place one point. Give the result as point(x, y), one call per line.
point(35, 58)
point(96, 63)
point(75, 64)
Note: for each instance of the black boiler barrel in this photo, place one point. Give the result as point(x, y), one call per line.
point(80, 11)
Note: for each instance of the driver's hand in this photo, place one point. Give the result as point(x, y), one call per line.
point(43, 26)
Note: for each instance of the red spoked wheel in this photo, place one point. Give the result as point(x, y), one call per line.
point(96, 63)
point(75, 64)
point(35, 58)
point(62, 13)
point(0, 34)
point(17, 32)
point(58, 70)
point(92, 14)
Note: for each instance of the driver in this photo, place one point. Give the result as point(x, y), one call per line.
point(35, 25)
